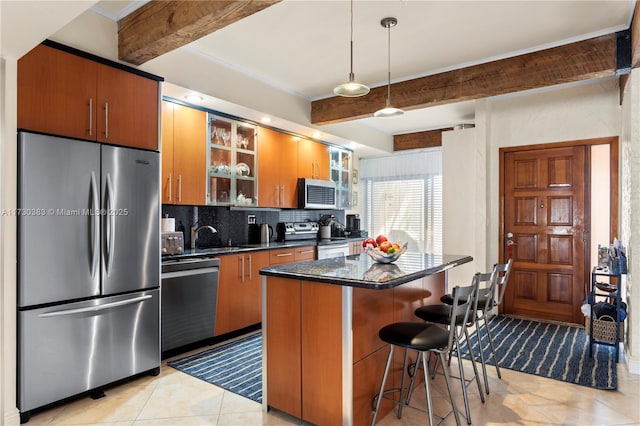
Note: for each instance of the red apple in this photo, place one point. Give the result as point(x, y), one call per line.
point(381, 238)
point(385, 246)
point(369, 242)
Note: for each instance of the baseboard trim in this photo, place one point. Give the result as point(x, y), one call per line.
point(633, 363)
point(11, 419)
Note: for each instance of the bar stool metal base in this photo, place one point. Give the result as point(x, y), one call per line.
point(377, 399)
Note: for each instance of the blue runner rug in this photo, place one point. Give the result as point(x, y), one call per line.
point(235, 366)
point(549, 350)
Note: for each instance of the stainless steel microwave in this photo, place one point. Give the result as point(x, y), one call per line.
point(316, 194)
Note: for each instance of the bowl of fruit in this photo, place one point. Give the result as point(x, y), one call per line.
point(382, 250)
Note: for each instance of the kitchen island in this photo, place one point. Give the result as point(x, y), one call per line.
point(322, 358)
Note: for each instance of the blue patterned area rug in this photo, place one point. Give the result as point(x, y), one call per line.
point(235, 366)
point(549, 350)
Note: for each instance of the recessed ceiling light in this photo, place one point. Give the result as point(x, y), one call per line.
point(194, 98)
point(316, 135)
point(266, 120)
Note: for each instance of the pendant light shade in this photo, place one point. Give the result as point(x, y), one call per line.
point(351, 89)
point(388, 111)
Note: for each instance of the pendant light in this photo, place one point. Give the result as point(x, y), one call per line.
point(351, 89)
point(388, 111)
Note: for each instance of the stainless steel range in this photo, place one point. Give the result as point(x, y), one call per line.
point(291, 231)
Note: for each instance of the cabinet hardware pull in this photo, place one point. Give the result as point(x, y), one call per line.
point(170, 186)
point(277, 196)
point(242, 272)
point(106, 120)
point(179, 188)
point(281, 198)
point(95, 308)
point(111, 224)
point(249, 268)
point(284, 254)
point(90, 116)
point(306, 252)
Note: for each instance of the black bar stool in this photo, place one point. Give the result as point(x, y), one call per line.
point(489, 299)
point(424, 338)
point(443, 314)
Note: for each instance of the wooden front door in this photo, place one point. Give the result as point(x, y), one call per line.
point(544, 209)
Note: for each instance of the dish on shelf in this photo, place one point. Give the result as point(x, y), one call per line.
point(242, 169)
point(222, 169)
point(382, 257)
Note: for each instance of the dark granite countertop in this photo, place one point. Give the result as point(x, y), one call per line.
point(220, 251)
point(361, 271)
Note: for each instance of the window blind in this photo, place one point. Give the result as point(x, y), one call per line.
point(403, 198)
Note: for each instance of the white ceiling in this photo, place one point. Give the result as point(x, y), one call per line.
point(301, 47)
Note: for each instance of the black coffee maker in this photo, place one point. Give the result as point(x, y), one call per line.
point(353, 223)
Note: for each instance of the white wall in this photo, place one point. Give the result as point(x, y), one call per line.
point(630, 203)
point(463, 200)
point(8, 162)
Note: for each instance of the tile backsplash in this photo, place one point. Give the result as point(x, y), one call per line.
point(232, 224)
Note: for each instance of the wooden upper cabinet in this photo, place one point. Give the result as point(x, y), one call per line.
point(184, 170)
point(57, 93)
point(166, 149)
point(69, 95)
point(127, 110)
point(313, 160)
point(277, 169)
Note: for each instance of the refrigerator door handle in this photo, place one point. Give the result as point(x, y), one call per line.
point(96, 308)
point(110, 224)
point(94, 220)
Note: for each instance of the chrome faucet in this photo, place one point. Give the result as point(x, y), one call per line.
point(194, 233)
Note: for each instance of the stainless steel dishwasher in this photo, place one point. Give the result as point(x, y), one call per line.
point(189, 295)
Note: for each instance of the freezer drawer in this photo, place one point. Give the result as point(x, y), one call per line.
point(72, 348)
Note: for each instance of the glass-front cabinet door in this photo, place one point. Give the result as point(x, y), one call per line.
point(246, 164)
point(341, 175)
point(231, 165)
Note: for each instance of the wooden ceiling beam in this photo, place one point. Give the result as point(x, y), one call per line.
point(583, 60)
point(417, 140)
point(161, 26)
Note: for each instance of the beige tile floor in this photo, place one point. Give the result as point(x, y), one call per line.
point(174, 398)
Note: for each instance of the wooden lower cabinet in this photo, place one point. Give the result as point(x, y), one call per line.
point(303, 338)
point(369, 375)
point(283, 354)
point(292, 254)
point(321, 353)
point(239, 291)
point(302, 254)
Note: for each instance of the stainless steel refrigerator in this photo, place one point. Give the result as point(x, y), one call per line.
point(88, 266)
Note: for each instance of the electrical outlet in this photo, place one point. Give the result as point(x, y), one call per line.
point(251, 219)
